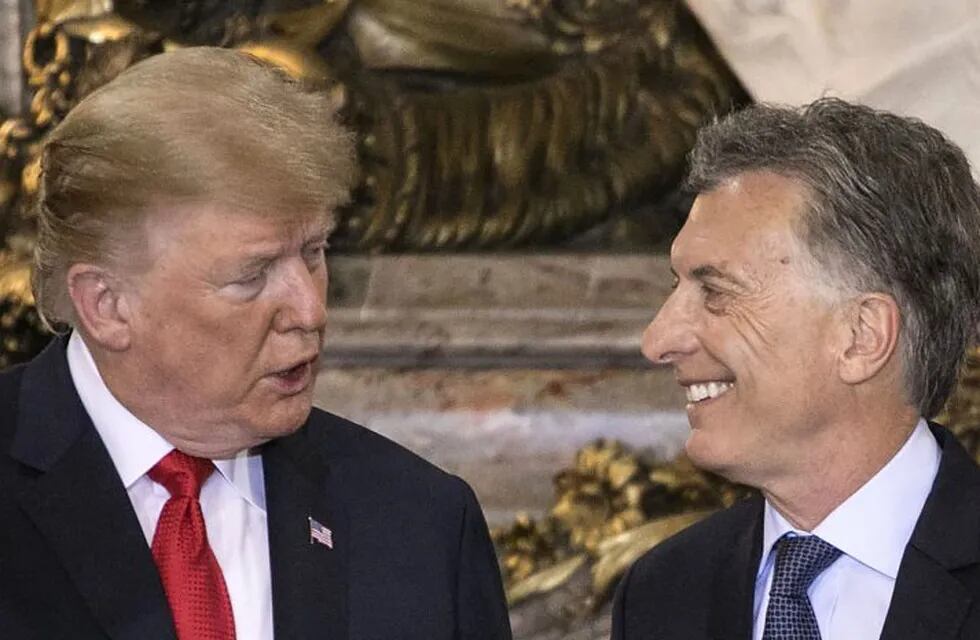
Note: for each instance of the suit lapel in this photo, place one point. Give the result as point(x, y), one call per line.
point(78, 503)
point(929, 602)
point(733, 590)
point(309, 580)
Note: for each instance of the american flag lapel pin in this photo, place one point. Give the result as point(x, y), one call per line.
point(320, 534)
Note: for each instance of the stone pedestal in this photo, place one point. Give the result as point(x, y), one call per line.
point(498, 368)
point(518, 311)
point(508, 431)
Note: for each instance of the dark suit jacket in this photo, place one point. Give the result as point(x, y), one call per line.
point(700, 584)
point(411, 556)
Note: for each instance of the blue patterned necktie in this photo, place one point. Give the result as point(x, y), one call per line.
point(799, 559)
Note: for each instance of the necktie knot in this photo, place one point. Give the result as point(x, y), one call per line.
point(182, 474)
point(799, 560)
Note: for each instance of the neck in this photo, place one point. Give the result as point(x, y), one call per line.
point(833, 473)
point(221, 441)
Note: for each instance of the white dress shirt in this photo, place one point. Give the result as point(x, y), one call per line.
point(232, 499)
point(871, 528)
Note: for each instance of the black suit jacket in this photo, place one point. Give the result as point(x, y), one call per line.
point(700, 584)
point(411, 556)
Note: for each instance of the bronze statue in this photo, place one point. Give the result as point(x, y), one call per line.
point(484, 123)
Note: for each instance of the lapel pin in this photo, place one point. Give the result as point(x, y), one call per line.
point(320, 534)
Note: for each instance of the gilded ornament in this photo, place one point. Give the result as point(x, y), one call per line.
point(610, 507)
point(60, 11)
point(20, 328)
point(962, 413)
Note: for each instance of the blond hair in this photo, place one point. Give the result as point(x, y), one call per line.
point(194, 126)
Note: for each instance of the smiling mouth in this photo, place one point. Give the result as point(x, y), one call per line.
point(701, 391)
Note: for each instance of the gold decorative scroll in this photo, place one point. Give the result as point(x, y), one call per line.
point(482, 123)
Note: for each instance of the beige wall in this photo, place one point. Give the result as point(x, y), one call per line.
point(916, 58)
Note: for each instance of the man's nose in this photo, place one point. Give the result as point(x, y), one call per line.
point(304, 299)
point(670, 335)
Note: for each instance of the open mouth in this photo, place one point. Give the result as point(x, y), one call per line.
point(294, 373)
point(295, 378)
point(702, 391)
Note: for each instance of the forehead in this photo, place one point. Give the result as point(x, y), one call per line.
point(744, 220)
point(222, 228)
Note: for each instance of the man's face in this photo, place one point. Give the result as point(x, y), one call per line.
point(227, 324)
point(750, 335)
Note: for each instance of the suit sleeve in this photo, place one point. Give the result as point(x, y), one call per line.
point(481, 610)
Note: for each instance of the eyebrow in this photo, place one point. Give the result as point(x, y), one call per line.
point(316, 238)
point(317, 233)
point(705, 271)
point(256, 261)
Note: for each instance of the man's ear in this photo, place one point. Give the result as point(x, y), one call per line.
point(874, 322)
point(101, 306)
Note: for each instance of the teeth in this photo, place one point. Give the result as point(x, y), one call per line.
point(701, 391)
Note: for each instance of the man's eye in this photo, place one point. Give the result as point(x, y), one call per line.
point(713, 298)
point(674, 282)
point(252, 279)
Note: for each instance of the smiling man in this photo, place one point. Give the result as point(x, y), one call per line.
point(827, 286)
point(162, 473)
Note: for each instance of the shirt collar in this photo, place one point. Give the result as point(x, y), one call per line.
point(874, 525)
point(132, 444)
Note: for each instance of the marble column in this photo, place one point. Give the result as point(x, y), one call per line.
point(15, 19)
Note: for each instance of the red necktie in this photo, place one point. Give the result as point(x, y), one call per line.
point(190, 573)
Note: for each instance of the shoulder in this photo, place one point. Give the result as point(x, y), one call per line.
point(669, 590)
point(691, 556)
point(392, 496)
point(378, 464)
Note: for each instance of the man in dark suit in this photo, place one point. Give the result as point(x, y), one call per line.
point(162, 474)
point(827, 286)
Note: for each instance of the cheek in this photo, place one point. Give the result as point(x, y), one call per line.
point(759, 329)
point(236, 349)
point(740, 344)
point(322, 282)
point(780, 342)
point(222, 354)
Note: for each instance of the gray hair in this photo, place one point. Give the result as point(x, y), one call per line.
point(894, 209)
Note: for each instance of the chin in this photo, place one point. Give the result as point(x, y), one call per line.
point(708, 454)
point(284, 419)
point(726, 468)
